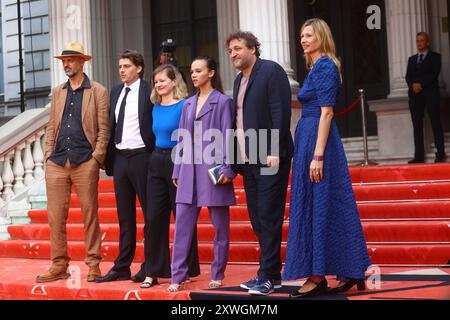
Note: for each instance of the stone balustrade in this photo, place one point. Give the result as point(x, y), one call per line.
point(21, 166)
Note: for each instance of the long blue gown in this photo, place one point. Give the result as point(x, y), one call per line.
point(325, 232)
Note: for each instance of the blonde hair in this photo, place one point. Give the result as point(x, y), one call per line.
point(327, 44)
point(180, 90)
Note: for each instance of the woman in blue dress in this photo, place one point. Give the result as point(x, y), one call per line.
point(168, 97)
point(325, 232)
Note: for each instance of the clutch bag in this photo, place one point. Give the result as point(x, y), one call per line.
point(214, 174)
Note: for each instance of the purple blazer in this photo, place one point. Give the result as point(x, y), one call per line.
point(217, 113)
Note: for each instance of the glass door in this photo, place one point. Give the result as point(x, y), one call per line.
point(191, 24)
point(363, 53)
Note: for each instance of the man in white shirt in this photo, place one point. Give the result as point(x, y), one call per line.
point(130, 146)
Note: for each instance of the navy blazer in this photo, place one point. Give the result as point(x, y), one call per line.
point(427, 74)
point(267, 105)
point(145, 121)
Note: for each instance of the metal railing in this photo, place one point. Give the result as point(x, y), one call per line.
point(366, 162)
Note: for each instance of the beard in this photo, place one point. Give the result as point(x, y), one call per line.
point(72, 73)
point(239, 64)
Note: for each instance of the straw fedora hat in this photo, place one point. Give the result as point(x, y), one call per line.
point(73, 49)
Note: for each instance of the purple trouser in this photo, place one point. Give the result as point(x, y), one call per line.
point(187, 216)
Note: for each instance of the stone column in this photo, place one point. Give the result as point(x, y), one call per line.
point(439, 41)
point(87, 22)
point(405, 18)
point(272, 31)
point(228, 22)
point(101, 42)
point(69, 20)
point(132, 29)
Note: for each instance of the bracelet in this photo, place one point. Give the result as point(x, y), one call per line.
point(318, 158)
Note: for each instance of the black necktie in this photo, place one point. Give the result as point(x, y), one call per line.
point(421, 58)
point(119, 126)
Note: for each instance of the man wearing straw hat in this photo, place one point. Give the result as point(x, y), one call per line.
point(77, 138)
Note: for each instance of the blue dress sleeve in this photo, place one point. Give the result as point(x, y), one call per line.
point(326, 79)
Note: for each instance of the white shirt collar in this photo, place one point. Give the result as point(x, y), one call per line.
point(134, 87)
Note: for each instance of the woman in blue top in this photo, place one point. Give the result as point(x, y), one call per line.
point(325, 232)
point(168, 97)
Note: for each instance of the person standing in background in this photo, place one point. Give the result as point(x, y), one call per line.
point(422, 77)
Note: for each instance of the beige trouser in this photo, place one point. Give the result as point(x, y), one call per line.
point(59, 182)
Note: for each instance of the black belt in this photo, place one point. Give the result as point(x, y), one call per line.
point(163, 151)
point(131, 152)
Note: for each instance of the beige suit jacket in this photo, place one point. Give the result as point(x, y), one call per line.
point(95, 119)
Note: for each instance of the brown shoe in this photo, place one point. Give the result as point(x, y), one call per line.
point(52, 276)
point(94, 272)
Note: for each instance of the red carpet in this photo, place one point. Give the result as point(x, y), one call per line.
point(405, 212)
point(396, 231)
point(17, 282)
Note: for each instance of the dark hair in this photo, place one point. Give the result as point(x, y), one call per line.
point(251, 41)
point(136, 58)
point(211, 64)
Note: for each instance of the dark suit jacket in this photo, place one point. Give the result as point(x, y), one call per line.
point(267, 105)
point(145, 121)
point(427, 74)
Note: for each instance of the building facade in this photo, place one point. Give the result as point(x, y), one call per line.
point(36, 55)
point(374, 40)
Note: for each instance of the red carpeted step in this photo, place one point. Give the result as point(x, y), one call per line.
point(109, 215)
point(396, 231)
point(408, 231)
point(420, 191)
point(438, 254)
point(402, 192)
point(384, 210)
point(108, 200)
point(410, 254)
point(400, 173)
point(239, 232)
point(107, 185)
point(364, 175)
point(405, 210)
point(41, 250)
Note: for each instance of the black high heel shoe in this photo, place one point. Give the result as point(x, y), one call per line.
point(360, 284)
point(320, 289)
